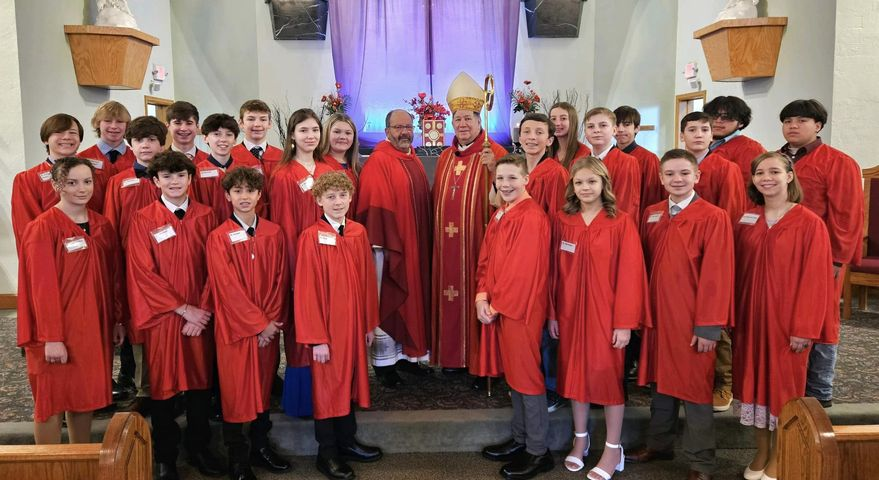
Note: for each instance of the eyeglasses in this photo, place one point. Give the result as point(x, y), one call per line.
point(402, 128)
point(722, 117)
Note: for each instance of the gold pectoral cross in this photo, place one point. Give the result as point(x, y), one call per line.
point(450, 293)
point(451, 229)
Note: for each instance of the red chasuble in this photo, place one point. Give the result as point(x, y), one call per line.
point(66, 290)
point(651, 188)
point(690, 265)
point(625, 175)
point(123, 162)
point(461, 211)
point(784, 287)
point(599, 283)
point(741, 150)
point(546, 185)
point(207, 185)
point(720, 185)
point(337, 304)
point(250, 286)
point(394, 206)
point(295, 209)
point(166, 269)
point(513, 276)
point(832, 188)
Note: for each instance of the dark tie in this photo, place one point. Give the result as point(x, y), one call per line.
point(257, 152)
point(341, 230)
point(251, 231)
point(140, 173)
point(113, 155)
point(674, 210)
point(180, 213)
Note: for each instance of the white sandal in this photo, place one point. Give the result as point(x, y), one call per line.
point(752, 474)
point(578, 461)
point(619, 468)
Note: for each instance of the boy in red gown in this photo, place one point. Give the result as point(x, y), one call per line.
point(512, 298)
point(255, 121)
point(336, 310)
point(110, 123)
point(729, 116)
point(628, 126)
point(250, 285)
point(183, 127)
point(166, 263)
point(625, 170)
point(689, 252)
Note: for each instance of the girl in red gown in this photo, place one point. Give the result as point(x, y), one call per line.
point(339, 143)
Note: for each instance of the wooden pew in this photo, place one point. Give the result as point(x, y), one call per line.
point(810, 448)
point(126, 454)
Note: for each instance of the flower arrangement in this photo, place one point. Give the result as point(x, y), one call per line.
point(525, 99)
point(425, 107)
point(334, 102)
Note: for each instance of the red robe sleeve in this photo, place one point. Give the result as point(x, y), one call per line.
point(311, 280)
point(38, 280)
point(25, 205)
point(625, 176)
point(815, 290)
point(845, 210)
point(732, 192)
point(714, 292)
point(630, 306)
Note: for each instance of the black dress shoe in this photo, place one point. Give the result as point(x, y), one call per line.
point(359, 452)
point(127, 384)
point(269, 459)
point(454, 371)
point(503, 452)
point(335, 468)
point(527, 466)
point(389, 378)
point(413, 368)
point(141, 405)
point(554, 401)
point(119, 393)
point(241, 471)
point(207, 463)
point(166, 471)
point(480, 384)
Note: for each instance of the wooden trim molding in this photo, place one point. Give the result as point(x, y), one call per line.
point(8, 301)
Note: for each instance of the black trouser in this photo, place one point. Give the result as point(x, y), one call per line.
point(126, 361)
point(236, 441)
point(334, 432)
point(166, 432)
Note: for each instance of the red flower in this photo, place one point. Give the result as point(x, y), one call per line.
point(323, 98)
point(422, 95)
point(536, 98)
point(338, 85)
point(527, 82)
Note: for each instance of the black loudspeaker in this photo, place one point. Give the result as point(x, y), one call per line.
point(299, 19)
point(553, 18)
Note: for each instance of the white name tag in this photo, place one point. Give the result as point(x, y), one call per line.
point(75, 244)
point(45, 176)
point(306, 184)
point(98, 164)
point(237, 236)
point(568, 247)
point(164, 233)
point(212, 173)
point(498, 215)
point(325, 238)
point(654, 217)
point(130, 182)
point(749, 218)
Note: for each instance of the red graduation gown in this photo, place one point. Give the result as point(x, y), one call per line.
point(270, 158)
point(161, 277)
point(294, 208)
point(123, 162)
point(32, 194)
point(651, 188)
point(250, 286)
point(352, 208)
point(741, 150)
point(547, 183)
point(513, 274)
point(336, 304)
point(625, 175)
point(68, 296)
point(461, 211)
point(582, 152)
point(394, 206)
point(720, 185)
point(784, 286)
point(690, 265)
point(599, 286)
point(207, 185)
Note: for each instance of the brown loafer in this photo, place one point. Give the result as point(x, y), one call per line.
point(695, 475)
point(644, 455)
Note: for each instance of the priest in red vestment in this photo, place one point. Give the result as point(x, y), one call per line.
point(395, 207)
point(250, 287)
point(628, 126)
point(110, 123)
point(461, 189)
point(784, 292)
point(167, 277)
point(689, 253)
point(625, 170)
point(729, 116)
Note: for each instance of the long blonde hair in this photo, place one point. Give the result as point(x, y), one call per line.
point(608, 199)
point(352, 156)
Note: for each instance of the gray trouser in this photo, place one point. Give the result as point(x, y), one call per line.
point(698, 441)
point(530, 421)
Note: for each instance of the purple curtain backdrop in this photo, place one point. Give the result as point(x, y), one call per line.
point(387, 51)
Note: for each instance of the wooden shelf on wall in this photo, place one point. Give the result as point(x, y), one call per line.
point(109, 57)
point(742, 49)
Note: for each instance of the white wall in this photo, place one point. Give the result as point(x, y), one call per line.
point(805, 63)
point(855, 74)
point(634, 58)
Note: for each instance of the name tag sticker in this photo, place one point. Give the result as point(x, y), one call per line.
point(237, 236)
point(130, 182)
point(45, 176)
point(654, 217)
point(75, 244)
point(498, 215)
point(325, 238)
point(305, 185)
point(568, 247)
point(163, 233)
point(212, 173)
point(749, 218)
point(98, 164)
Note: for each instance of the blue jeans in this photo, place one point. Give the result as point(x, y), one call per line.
point(822, 366)
point(549, 352)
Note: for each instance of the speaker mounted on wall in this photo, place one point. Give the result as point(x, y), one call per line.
point(299, 19)
point(553, 18)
